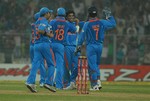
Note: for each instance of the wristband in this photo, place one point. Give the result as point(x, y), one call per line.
point(77, 27)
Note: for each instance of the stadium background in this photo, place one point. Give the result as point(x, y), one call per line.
point(125, 58)
point(127, 44)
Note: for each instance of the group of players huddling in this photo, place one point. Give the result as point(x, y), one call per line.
point(63, 36)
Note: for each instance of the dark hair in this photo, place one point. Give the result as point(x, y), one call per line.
point(92, 11)
point(43, 15)
point(70, 11)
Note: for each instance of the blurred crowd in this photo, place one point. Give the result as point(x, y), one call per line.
point(128, 43)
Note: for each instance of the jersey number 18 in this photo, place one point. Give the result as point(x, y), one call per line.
point(59, 34)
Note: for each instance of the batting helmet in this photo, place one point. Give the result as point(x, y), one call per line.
point(61, 11)
point(45, 10)
point(92, 11)
point(36, 16)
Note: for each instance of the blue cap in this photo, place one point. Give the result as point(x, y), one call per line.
point(45, 10)
point(61, 11)
point(36, 16)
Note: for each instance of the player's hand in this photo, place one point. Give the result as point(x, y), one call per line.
point(106, 13)
point(78, 49)
point(76, 20)
point(50, 34)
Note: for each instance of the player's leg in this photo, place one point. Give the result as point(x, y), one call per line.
point(59, 56)
point(48, 57)
point(42, 73)
point(92, 59)
point(69, 50)
point(42, 68)
point(31, 52)
point(50, 73)
point(74, 70)
point(66, 79)
point(54, 61)
point(35, 64)
point(99, 52)
point(66, 76)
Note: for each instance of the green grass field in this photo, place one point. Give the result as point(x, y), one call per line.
point(111, 91)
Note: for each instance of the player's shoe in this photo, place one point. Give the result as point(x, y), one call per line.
point(31, 87)
point(95, 88)
point(41, 85)
point(99, 84)
point(50, 88)
point(71, 86)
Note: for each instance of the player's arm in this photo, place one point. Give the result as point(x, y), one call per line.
point(81, 24)
point(109, 21)
point(45, 30)
point(76, 20)
point(82, 34)
point(49, 34)
point(81, 39)
point(72, 27)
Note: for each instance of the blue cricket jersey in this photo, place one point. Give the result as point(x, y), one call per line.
point(42, 24)
point(81, 24)
point(60, 29)
point(71, 38)
point(94, 29)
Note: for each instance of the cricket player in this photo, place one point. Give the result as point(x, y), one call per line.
point(60, 29)
point(42, 68)
point(93, 31)
point(42, 51)
point(71, 59)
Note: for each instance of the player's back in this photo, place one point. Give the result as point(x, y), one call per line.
point(60, 29)
point(95, 29)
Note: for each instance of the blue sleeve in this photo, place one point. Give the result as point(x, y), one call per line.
point(43, 25)
point(81, 23)
point(82, 34)
point(52, 22)
point(110, 23)
point(72, 27)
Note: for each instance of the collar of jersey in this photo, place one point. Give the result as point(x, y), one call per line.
point(60, 18)
point(43, 18)
point(93, 19)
